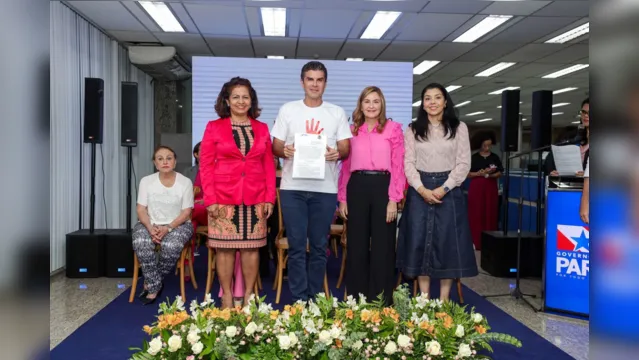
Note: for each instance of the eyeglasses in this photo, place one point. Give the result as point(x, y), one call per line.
point(584, 112)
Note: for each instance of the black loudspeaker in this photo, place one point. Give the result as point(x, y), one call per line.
point(129, 115)
point(93, 110)
point(85, 254)
point(541, 131)
point(118, 253)
point(499, 254)
point(510, 120)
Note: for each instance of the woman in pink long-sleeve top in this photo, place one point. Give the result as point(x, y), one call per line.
point(434, 234)
point(371, 184)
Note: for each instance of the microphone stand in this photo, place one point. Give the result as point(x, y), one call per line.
point(516, 292)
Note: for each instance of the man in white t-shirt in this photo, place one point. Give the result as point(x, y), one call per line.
point(308, 206)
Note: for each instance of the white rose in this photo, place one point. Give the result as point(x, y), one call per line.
point(390, 348)
point(175, 343)
point(335, 332)
point(284, 341)
point(464, 351)
point(155, 346)
point(250, 328)
point(358, 345)
point(477, 318)
point(293, 338)
point(403, 341)
point(231, 331)
point(325, 337)
point(197, 348)
point(459, 332)
point(192, 338)
point(433, 348)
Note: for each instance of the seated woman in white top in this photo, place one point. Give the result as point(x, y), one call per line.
point(165, 201)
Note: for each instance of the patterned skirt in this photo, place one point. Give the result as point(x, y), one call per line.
point(238, 227)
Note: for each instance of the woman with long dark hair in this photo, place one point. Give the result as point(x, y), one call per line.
point(483, 194)
point(238, 180)
point(434, 236)
point(371, 184)
point(582, 139)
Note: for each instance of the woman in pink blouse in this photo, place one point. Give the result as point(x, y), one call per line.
point(371, 184)
point(434, 236)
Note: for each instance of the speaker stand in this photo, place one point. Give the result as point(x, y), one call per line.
point(539, 191)
point(129, 156)
point(504, 195)
point(92, 196)
point(516, 292)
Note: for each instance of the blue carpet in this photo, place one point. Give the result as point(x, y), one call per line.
point(109, 334)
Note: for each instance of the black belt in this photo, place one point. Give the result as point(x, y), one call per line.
point(371, 172)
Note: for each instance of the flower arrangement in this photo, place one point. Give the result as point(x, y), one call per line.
point(325, 329)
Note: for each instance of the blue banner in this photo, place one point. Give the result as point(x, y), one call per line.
point(567, 254)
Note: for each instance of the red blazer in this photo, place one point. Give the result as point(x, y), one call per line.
point(228, 177)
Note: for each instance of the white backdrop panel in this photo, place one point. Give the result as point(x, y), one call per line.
point(277, 81)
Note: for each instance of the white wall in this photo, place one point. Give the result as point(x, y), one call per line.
point(79, 50)
point(278, 81)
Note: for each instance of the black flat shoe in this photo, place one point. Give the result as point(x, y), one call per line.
point(147, 301)
point(143, 294)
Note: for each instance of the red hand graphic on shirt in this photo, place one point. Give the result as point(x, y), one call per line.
point(313, 128)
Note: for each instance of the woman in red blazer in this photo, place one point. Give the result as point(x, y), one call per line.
point(238, 181)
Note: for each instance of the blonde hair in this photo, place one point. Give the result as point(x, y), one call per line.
point(358, 114)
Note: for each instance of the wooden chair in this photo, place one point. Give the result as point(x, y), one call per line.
point(282, 255)
point(186, 252)
point(343, 242)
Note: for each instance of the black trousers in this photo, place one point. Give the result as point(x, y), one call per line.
point(370, 262)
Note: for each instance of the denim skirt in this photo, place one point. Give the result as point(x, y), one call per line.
point(435, 240)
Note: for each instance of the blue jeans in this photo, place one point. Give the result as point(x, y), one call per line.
point(307, 217)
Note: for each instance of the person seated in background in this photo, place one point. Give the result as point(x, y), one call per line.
point(238, 179)
point(483, 194)
point(165, 201)
point(199, 216)
point(583, 140)
point(192, 172)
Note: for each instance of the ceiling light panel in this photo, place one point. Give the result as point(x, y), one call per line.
point(488, 24)
point(354, 59)
point(476, 113)
point(570, 35)
point(424, 66)
point(275, 57)
point(416, 103)
point(451, 88)
point(274, 21)
point(564, 90)
point(495, 69)
point(162, 15)
point(498, 92)
point(557, 113)
point(560, 104)
point(483, 120)
point(463, 104)
point(566, 71)
point(379, 25)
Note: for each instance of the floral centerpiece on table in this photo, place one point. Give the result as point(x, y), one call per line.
point(324, 328)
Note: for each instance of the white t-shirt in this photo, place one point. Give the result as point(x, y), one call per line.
point(291, 120)
point(164, 204)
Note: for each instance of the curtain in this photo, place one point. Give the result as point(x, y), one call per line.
point(79, 50)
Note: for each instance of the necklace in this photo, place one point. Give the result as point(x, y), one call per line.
point(244, 122)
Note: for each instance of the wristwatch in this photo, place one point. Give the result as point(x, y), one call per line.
point(446, 189)
point(170, 228)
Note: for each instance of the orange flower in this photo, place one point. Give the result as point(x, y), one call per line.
point(480, 329)
point(338, 342)
point(410, 325)
point(376, 318)
point(365, 315)
point(349, 314)
point(225, 314)
point(338, 323)
point(287, 308)
point(147, 329)
point(274, 314)
point(425, 325)
point(448, 322)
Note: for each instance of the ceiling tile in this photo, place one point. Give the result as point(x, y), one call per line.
point(230, 46)
point(367, 49)
point(405, 50)
point(315, 23)
point(514, 7)
point(324, 49)
point(187, 43)
point(567, 55)
point(432, 27)
point(459, 69)
point(133, 36)
point(488, 52)
point(271, 45)
point(109, 15)
point(531, 29)
point(447, 51)
point(455, 7)
point(528, 70)
point(532, 52)
point(218, 20)
point(565, 8)
point(368, 5)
